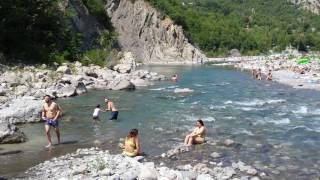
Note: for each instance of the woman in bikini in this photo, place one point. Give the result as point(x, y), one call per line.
point(198, 134)
point(131, 144)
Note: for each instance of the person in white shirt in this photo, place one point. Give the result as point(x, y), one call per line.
point(96, 112)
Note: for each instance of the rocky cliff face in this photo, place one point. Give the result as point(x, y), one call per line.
point(149, 35)
point(311, 5)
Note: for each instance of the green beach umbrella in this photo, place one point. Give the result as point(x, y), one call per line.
point(302, 61)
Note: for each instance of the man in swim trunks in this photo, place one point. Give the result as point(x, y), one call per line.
point(50, 113)
point(111, 107)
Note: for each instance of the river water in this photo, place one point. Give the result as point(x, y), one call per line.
point(276, 127)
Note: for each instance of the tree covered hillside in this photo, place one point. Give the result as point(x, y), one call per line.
point(252, 26)
point(44, 31)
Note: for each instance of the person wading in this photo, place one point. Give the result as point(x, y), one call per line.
point(50, 113)
point(111, 107)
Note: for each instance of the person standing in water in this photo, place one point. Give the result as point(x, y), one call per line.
point(174, 78)
point(50, 113)
point(197, 135)
point(111, 107)
point(96, 112)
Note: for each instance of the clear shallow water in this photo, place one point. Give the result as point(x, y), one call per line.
point(277, 127)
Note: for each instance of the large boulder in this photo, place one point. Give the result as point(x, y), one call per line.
point(10, 134)
point(120, 84)
point(21, 110)
point(3, 91)
point(234, 53)
point(139, 82)
point(81, 88)
point(64, 69)
point(148, 172)
point(21, 90)
point(66, 91)
point(122, 68)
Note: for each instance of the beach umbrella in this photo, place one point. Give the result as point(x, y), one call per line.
point(302, 61)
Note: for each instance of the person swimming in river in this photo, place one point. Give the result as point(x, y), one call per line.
point(131, 146)
point(198, 134)
point(111, 107)
point(174, 78)
point(96, 112)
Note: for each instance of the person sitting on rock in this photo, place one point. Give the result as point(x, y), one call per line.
point(198, 134)
point(131, 146)
point(269, 76)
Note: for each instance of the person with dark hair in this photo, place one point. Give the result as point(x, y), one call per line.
point(96, 111)
point(269, 76)
point(174, 78)
point(198, 134)
point(131, 144)
point(111, 107)
point(50, 113)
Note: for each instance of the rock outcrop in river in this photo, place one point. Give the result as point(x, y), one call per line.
point(150, 35)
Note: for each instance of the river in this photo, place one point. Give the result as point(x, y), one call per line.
point(277, 127)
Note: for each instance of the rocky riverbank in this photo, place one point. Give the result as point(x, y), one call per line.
point(285, 68)
point(22, 89)
point(94, 163)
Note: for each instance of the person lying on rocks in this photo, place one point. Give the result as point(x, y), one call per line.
point(131, 146)
point(198, 134)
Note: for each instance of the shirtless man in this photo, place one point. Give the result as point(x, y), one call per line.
point(50, 113)
point(111, 107)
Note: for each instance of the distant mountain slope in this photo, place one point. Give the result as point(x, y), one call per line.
point(252, 26)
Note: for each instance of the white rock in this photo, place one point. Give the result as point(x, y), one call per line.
point(64, 70)
point(204, 177)
point(139, 82)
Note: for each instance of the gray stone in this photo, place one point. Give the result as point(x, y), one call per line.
point(66, 91)
point(22, 110)
point(122, 68)
point(228, 142)
point(215, 155)
point(81, 88)
point(3, 91)
point(139, 82)
point(64, 69)
point(188, 174)
point(148, 172)
point(204, 177)
point(234, 53)
point(119, 84)
point(10, 134)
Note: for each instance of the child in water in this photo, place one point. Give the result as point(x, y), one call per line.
point(96, 112)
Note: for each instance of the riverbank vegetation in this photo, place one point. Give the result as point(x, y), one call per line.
point(42, 31)
point(252, 26)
